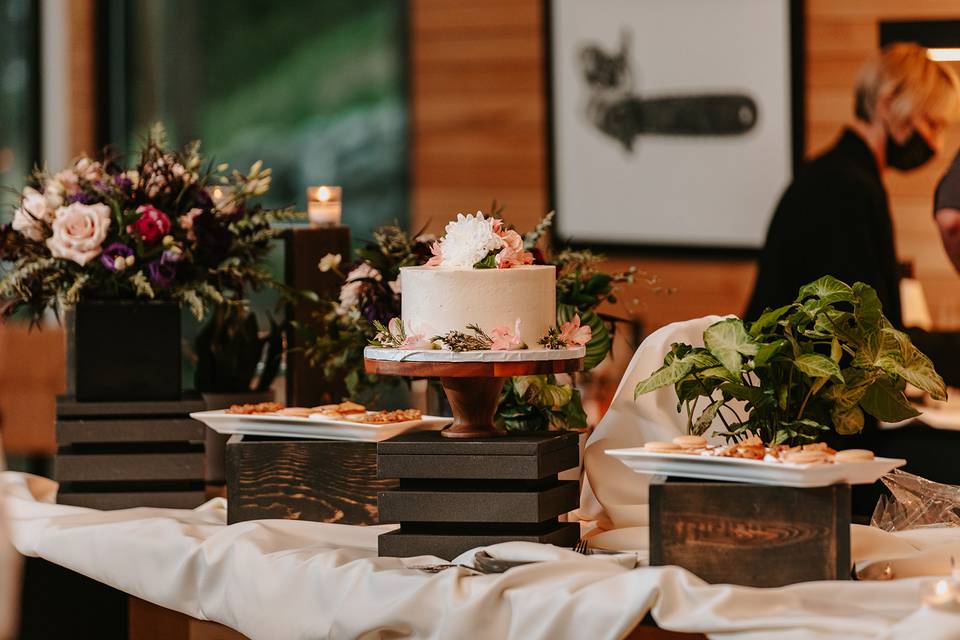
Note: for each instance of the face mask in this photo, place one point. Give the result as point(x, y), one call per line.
point(910, 154)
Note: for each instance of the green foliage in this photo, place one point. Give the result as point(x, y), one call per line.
point(823, 361)
point(539, 403)
point(230, 349)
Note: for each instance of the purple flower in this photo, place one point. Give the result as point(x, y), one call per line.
point(162, 274)
point(116, 250)
point(171, 256)
point(122, 182)
point(81, 197)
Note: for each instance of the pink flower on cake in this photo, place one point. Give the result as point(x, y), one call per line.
point(78, 232)
point(572, 334)
point(506, 340)
point(513, 253)
point(151, 226)
point(437, 255)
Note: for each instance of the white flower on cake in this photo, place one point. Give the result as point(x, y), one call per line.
point(474, 241)
point(468, 240)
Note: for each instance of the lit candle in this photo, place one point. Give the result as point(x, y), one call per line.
point(941, 593)
point(221, 196)
point(324, 205)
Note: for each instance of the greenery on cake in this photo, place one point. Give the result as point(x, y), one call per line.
point(368, 306)
point(821, 362)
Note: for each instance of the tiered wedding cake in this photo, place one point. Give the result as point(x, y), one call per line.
point(480, 275)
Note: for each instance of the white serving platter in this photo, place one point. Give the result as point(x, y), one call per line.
point(784, 474)
point(316, 427)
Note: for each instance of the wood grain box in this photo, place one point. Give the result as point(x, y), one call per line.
point(455, 495)
point(751, 535)
point(318, 480)
point(117, 455)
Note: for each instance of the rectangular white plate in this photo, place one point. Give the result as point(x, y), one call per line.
point(754, 471)
point(315, 427)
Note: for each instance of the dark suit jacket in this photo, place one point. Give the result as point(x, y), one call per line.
point(834, 219)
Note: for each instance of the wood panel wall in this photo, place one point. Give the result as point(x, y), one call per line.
point(479, 131)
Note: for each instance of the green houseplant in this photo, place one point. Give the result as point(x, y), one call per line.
point(821, 362)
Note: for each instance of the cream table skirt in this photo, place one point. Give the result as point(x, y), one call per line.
point(274, 579)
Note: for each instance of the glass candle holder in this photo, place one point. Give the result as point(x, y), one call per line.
point(324, 205)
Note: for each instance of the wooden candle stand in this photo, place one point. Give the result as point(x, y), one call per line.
point(472, 388)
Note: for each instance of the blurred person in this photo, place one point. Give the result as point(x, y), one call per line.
point(834, 219)
point(946, 211)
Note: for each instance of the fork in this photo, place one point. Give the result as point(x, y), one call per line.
point(582, 547)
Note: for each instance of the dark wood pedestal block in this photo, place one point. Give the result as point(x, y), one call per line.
point(117, 455)
point(455, 495)
point(751, 535)
point(290, 479)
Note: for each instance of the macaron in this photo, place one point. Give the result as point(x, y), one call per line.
point(661, 447)
point(853, 455)
point(805, 457)
point(690, 442)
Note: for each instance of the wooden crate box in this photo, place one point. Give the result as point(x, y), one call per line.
point(749, 534)
point(117, 455)
point(318, 480)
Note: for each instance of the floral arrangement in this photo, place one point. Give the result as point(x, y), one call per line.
point(818, 363)
point(367, 311)
point(171, 227)
point(480, 243)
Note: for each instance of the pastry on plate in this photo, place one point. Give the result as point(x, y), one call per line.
point(255, 409)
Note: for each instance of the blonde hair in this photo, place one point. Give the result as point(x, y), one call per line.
point(914, 83)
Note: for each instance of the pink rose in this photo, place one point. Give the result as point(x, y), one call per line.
point(512, 254)
point(572, 334)
point(151, 226)
point(78, 232)
point(186, 222)
point(506, 340)
point(30, 216)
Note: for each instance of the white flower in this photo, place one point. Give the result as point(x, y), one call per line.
point(353, 287)
point(89, 170)
point(53, 192)
point(329, 262)
point(30, 216)
point(78, 232)
point(468, 240)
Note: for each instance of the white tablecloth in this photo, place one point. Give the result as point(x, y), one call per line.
point(274, 580)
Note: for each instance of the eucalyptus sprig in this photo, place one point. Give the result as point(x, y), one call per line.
point(818, 363)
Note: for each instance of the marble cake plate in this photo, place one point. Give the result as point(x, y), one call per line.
point(441, 355)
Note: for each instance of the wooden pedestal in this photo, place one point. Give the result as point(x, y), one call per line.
point(751, 535)
point(458, 494)
point(303, 248)
point(117, 455)
point(318, 480)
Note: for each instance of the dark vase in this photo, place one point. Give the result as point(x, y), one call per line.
point(123, 350)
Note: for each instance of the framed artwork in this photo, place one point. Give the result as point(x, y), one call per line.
point(673, 123)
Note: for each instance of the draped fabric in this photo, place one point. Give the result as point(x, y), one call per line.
point(9, 572)
point(284, 579)
point(614, 496)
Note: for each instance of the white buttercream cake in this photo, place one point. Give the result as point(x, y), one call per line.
point(436, 300)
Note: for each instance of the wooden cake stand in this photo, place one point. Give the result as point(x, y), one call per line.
point(472, 388)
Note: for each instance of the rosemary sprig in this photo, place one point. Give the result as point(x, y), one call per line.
point(462, 341)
